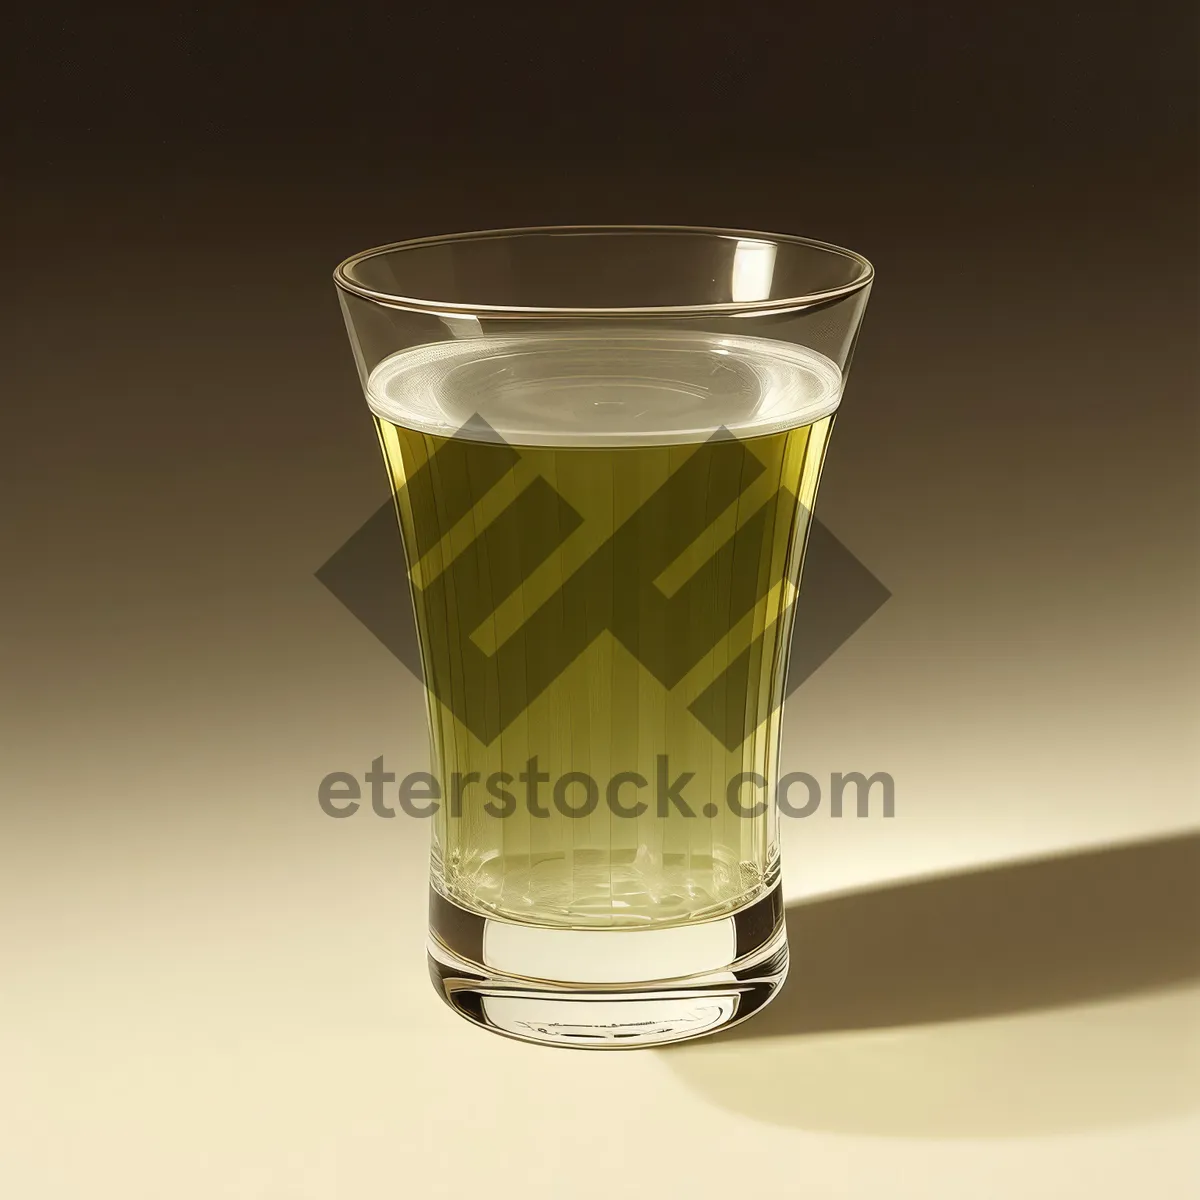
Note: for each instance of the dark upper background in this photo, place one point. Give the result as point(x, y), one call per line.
point(168, 85)
point(180, 182)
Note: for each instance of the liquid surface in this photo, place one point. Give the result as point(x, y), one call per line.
point(605, 389)
point(565, 614)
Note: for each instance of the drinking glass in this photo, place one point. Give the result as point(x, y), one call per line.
point(604, 445)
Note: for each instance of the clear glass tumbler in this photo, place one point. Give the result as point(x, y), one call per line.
point(604, 443)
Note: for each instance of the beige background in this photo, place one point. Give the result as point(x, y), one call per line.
point(211, 989)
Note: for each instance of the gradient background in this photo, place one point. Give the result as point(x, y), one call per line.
point(211, 989)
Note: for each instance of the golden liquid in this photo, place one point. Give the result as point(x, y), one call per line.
point(602, 712)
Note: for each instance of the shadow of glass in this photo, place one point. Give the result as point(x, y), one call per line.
point(1025, 998)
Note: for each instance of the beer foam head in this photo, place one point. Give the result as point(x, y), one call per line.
point(602, 388)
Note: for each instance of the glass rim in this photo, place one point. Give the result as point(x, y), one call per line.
point(804, 300)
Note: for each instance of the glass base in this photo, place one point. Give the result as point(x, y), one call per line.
point(608, 989)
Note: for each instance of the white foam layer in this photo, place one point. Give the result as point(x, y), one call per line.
point(603, 388)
